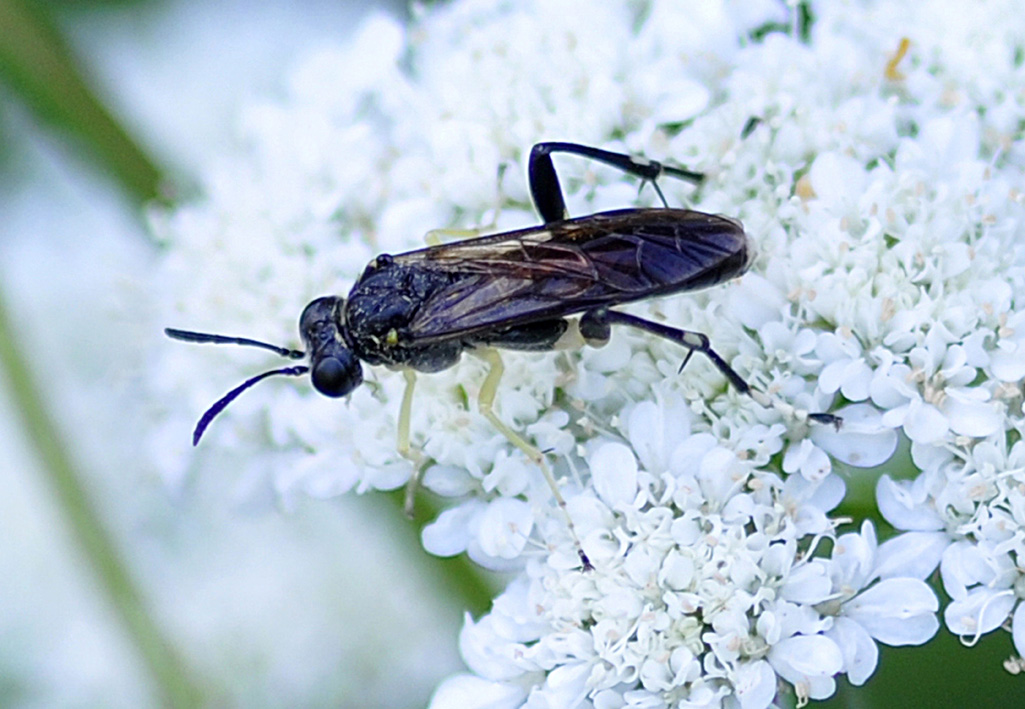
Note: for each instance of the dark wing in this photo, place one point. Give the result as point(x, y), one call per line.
point(572, 266)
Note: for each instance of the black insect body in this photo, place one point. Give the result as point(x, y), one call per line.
point(423, 308)
point(419, 311)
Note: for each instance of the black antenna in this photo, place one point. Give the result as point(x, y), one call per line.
point(207, 338)
point(221, 403)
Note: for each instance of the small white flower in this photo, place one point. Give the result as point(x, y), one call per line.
point(907, 505)
point(911, 554)
point(474, 692)
point(847, 371)
point(493, 533)
point(863, 441)
point(451, 532)
point(809, 663)
point(1007, 359)
point(614, 474)
point(981, 611)
point(897, 610)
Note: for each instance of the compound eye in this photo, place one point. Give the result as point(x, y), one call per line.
point(333, 377)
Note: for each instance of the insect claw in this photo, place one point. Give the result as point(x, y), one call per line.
point(749, 126)
point(584, 561)
point(658, 191)
point(685, 360)
point(827, 419)
point(789, 411)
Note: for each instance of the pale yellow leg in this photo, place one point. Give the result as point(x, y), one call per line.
point(436, 237)
point(486, 402)
point(414, 456)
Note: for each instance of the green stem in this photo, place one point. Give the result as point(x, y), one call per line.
point(176, 687)
point(39, 67)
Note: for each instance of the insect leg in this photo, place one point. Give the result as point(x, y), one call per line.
point(405, 413)
point(544, 182)
point(437, 237)
point(596, 324)
point(485, 403)
point(750, 125)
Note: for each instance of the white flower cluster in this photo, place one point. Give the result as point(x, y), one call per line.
point(883, 193)
point(706, 588)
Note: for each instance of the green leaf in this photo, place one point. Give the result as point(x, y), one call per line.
point(38, 66)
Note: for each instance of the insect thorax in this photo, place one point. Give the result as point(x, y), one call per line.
point(379, 310)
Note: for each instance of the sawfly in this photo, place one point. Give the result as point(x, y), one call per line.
point(419, 311)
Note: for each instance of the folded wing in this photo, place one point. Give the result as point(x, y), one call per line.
point(573, 266)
